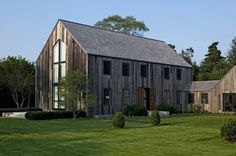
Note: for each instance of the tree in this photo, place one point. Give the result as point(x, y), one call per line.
point(213, 67)
point(187, 55)
point(17, 74)
point(128, 25)
point(74, 93)
point(172, 46)
point(231, 56)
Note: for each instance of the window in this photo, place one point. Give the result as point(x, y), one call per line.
point(146, 98)
point(107, 67)
point(191, 98)
point(126, 97)
point(143, 70)
point(167, 96)
point(59, 71)
point(230, 99)
point(178, 74)
point(125, 69)
point(106, 96)
point(179, 98)
point(204, 98)
point(167, 73)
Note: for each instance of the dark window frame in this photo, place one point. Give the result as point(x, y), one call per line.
point(178, 74)
point(125, 69)
point(143, 70)
point(107, 96)
point(107, 67)
point(204, 98)
point(167, 73)
point(190, 98)
point(167, 96)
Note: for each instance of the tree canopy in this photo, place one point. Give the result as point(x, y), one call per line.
point(128, 25)
point(17, 74)
point(231, 56)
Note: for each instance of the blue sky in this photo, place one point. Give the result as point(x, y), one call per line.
point(26, 24)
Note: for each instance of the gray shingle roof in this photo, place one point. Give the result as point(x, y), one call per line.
point(203, 85)
point(102, 42)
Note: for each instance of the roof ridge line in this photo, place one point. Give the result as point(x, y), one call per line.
point(111, 30)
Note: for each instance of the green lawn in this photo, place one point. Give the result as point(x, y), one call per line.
point(178, 135)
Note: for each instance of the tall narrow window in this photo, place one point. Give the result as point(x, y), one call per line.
point(191, 98)
point(167, 96)
point(59, 71)
point(179, 98)
point(204, 98)
point(167, 73)
point(178, 74)
point(125, 69)
point(106, 96)
point(125, 97)
point(143, 70)
point(107, 67)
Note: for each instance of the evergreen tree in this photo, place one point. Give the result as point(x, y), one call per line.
point(231, 56)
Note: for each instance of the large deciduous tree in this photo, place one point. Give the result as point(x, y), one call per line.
point(128, 25)
point(17, 74)
point(74, 93)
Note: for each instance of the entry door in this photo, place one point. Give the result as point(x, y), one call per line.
point(147, 98)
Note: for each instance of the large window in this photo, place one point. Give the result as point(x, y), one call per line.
point(167, 96)
point(204, 98)
point(167, 73)
point(59, 71)
point(125, 69)
point(107, 96)
point(126, 98)
point(178, 74)
point(179, 98)
point(143, 70)
point(107, 67)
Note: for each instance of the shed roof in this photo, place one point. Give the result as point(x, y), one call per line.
point(203, 85)
point(97, 41)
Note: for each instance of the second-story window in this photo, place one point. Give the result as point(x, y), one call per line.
point(107, 67)
point(167, 73)
point(125, 69)
point(143, 70)
point(178, 74)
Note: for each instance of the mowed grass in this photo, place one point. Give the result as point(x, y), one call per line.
point(177, 135)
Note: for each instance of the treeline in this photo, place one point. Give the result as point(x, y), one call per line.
point(214, 66)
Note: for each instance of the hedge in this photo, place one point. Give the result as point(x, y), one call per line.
point(118, 121)
point(135, 110)
point(40, 115)
point(166, 107)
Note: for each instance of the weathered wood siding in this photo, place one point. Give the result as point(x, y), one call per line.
point(75, 58)
point(154, 81)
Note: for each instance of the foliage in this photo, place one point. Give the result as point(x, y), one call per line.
point(74, 92)
point(214, 66)
point(155, 118)
point(231, 55)
point(187, 55)
point(118, 121)
point(40, 115)
point(128, 25)
point(18, 110)
point(17, 74)
point(195, 109)
point(228, 130)
point(166, 107)
point(172, 46)
point(135, 110)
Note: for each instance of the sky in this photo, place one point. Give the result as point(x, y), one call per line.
point(25, 25)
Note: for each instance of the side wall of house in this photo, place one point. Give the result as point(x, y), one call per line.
point(75, 58)
point(135, 83)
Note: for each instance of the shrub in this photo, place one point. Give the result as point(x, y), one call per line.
point(166, 107)
point(228, 130)
point(155, 118)
point(135, 110)
point(118, 121)
point(18, 110)
point(39, 115)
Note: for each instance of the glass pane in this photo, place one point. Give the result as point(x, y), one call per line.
point(55, 93)
point(63, 52)
point(55, 73)
point(56, 52)
point(55, 105)
point(63, 70)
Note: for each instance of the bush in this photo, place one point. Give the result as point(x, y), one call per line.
point(228, 130)
point(18, 110)
point(166, 107)
point(39, 115)
point(155, 118)
point(135, 110)
point(118, 121)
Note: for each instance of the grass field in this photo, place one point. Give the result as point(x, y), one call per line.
point(177, 135)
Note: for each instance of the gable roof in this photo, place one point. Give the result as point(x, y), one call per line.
point(97, 41)
point(203, 85)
